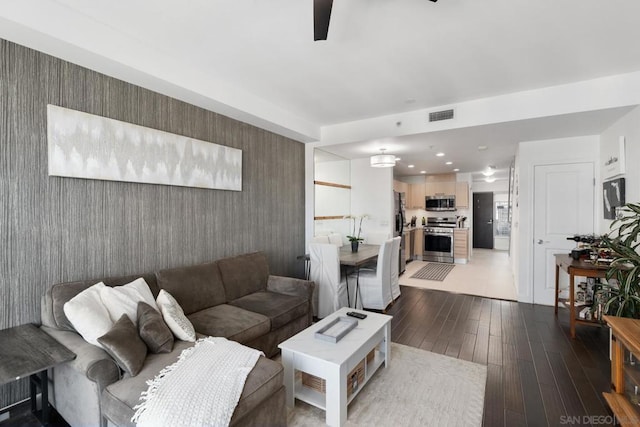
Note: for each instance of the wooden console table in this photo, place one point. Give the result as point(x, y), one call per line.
point(575, 268)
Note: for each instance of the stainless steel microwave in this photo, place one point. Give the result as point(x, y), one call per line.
point(440, 203)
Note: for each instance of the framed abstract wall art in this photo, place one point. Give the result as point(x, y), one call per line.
point(82, 145)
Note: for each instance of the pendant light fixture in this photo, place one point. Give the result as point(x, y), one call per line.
point(489, 171)
point(383, 160)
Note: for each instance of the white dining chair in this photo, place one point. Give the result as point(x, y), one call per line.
point(395, 268)
point(325, 272)
point(375, 285)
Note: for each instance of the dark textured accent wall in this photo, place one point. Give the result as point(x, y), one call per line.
point(59, 229)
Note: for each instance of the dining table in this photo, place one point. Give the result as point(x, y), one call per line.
point(366, 253)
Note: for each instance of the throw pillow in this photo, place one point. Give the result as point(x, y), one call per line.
point(152, 329)
point(174, 316)
point(123, 343)
point(124, 299)
point(88, 315)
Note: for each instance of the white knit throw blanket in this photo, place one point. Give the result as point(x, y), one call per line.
point(201, 389)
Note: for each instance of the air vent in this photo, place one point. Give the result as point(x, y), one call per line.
point(436, 116)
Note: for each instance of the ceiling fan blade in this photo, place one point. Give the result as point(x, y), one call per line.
point(321, 17)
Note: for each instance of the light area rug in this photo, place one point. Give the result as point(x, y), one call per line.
point(433, 271)
point(420, 388)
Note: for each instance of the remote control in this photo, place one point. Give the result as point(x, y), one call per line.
point(357, 315)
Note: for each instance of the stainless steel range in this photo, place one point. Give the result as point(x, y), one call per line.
point(438, 239)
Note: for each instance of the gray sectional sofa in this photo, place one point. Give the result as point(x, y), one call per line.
point(233, 297)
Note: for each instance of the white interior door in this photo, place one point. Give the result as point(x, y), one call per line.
point(563, 206)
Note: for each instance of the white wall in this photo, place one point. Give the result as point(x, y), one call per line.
point(372, 194)
point(629, 127)
point(332, 201)
point(501, 186)
point(515, 220)
point(336, 172)
point(530, 154)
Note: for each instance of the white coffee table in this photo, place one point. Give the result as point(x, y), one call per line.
point(333, 361)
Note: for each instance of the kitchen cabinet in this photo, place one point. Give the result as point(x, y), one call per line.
point(440, 188)
point(462, 195)
point(416, 196)
point(460, 245)
point(418, 243)
point(401, 187)
point(443, 184)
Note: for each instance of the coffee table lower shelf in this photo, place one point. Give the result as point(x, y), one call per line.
point(318, 399)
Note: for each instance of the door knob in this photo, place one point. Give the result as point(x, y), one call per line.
point(490, 221)
point(540, 241)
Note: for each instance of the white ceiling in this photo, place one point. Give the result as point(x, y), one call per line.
point(460, 146)
point(256, 60)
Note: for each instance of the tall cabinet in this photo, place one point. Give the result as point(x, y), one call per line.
point(462, 195)
point(416, 196)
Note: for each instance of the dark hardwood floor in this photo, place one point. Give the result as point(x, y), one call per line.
point(536, 374)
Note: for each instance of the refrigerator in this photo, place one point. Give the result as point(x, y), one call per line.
point(399, 202)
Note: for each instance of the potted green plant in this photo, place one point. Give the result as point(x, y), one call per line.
point(623, 276)
point(354, 238)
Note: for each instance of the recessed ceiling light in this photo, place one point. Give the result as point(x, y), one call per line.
point(398, 159)
point(456, 170)
point(410, 166)
point(482, 147)
point(423, 171)
point(449, 163)
point(440, 154)
point(490, 179)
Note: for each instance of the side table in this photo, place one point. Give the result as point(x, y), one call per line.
point(28, 351)
point(575, 268)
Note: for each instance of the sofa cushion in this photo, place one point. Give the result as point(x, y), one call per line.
point(57, 295)
point(279, 308)
point(153, 330)
point(88, 314)
point(244, 274)
point(119, 398)
point(194, 287)
point(175, 318)
point(124, 344)
point(230, 322)
point(124, 299)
